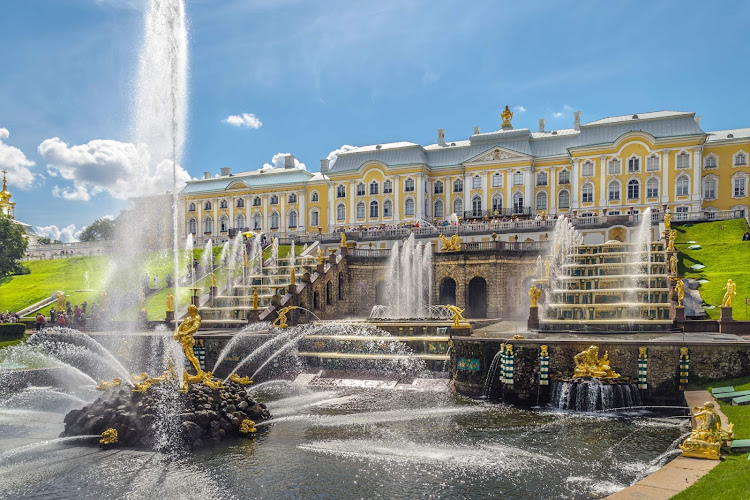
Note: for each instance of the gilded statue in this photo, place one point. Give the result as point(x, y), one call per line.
point(680, 287)
point(213, 280)
point(138, 377)
point(240, 380)
point(731, 289)
point(247, 426)
point(184, 334)
point(673, 264)
point(588, 365)
point(280, 321)
point(642, 352)
point(320, 256)
point(667, 220)
point(546, 267)
point(60, 297)
point(507, 116)
point(706, 439)
point(343, 239)
point(450, 245)
point(458, 319)
point(170, 302)
point(534, 294)
point(255, 298)
point(671, 235)
point(292, 277)
point(104, 385)
point(109, 436)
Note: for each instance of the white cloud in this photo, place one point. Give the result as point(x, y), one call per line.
point(428, 78)
point(66, 235)
point(558, 114)
point(15, 162)
point(519, 109)
point(278, 162)
point(566, 109)
point(247, 120)
point(119, 169)
point(333, 155)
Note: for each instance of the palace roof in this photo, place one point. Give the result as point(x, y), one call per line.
point(728, 135)
point(254, 178)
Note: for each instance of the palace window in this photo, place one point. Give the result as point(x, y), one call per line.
point(208, 225)
point(652, 163)
point(614, 191)
point(563, 200)
point(374, 187)
point(409, 185)
point(682, 186)
point(340, 191)
point(497, 180)
point(374, 210)
point(274, 200)
point(652, 188)
point(256, 201)
point(387, 187)
point(613, 167)
point(476, 206)
point(239, 222)
point(223, 204)
point(458, 186)
point(518, 203)
point(409, 207)
point(541, 179)
point(274, 220)
point(634, 164)
point(257, 219)
point(240, 202)
point(315, 218)
point(541, 201)
point(587, 170)
point(387, 208)
point(681, 213)
point(438, 209)
point(223, 224)
point(207, 205)
point(438, 187)
point(314, 196)
point(710, 162)
point(740, 160)
point(192, 226)
point(476, 182)
point(709, 189)
point(293, 198)
point(361, 189)
point(458, 206)
point(683, 160)
point(518, 179)
point(740, 187)
point(587, 193)
point(340, 212)
point(293, 218)
point(360, 210)
point(634, 189)
point(191, 207)
point(563, 177)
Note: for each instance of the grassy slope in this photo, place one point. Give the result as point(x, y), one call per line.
point(725, 256)
point(728, 480)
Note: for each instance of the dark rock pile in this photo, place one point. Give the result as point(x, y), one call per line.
point(193, 419)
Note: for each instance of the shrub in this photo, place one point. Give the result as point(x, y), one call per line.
point(12, 331)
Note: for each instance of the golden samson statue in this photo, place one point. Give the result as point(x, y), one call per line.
point(588, 365)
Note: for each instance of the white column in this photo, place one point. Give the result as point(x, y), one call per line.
point(466, 193)
point(396, 199)
point(231, 211)
point(697, 194)
point(282, 213)
point(199, 221)
point(447, 189)
point(665, 176)
point(552, 205)
point(266, 224)
point(302, 211)
point(352, 203)
point(574, 194)
point(331, 207)
point(487, 203)
point(528, 188)
point(420, 196)
point(216, 220)
point(603, 183)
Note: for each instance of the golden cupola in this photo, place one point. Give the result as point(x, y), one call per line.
point(6, 206)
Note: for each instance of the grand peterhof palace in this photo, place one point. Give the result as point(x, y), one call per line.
point(612, 166)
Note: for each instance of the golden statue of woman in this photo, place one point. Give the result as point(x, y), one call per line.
point(343, 239)
point(255, 298)
point(680, 287)
point(673, 264)
point(170, 302)
point(184, 334)
point(671, 236)
point(320, 256)
point(534, 294)
point(667, 220)
point(731, 289)
point(60, 297)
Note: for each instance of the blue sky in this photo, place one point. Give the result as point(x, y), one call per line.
point(319, 75)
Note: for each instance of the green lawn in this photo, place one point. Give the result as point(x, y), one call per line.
point(8, 343)
point(729, 479)
point(725, 256)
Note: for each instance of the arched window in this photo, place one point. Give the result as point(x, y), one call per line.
point(360, 210)
point(207, 205)
point(223, 224)
point(208, 225)
point(361, 189)
point(683, 160)
point(387, 187)
point(652, 188)
point(387, 208)
point(541, 179)
point(257, 221)
point(587, 193)
point(497, 180)
point(274, 200)
point(497, 204)
point(293, 198)
point(458, 186)
point(223, 204)
point(541, 201)
point(613, 167)
point(563, 200)
point(614, 191)
point(458, 207)
point(476, 206)
point(314, 218)
point(710, 162)
point(652, 163)
point(274, 220)
point(293, 218)
point(476, 182)
point(374, 210)
point(740, 159)
point(314, 197)
point(374, 187)
point(634, 164)
point(239, 222)
point(682, 186)
point(191, 207)
point(518, 202)
point(256, 201)
point(192, 226)
point(518, 179)
point(340, 212)
point(438, 188)
point(409, 207)
point(634, 189)
point(587, 169)
point(240, 202)
point(409, 185)
point(563, 177)
point(340, 191)
point(437, 209)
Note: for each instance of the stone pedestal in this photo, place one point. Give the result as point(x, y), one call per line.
point(195, 300)
point(170, 316)
point(679, 314)
point(214, 291)
point(726, 314)
point(461, 331)
point(253, 315)
point(276, 300)
point(332, 258)
point(292, 288)
point(533, 322)
point(306, 277)
point(344, 250)
point(321, 268)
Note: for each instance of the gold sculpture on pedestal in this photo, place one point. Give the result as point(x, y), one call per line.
point(507, 116)
point(343, 239)
point(458, 319)
point(170, 302)
point(104, 385)
point(255, 298)
point(320, 256)
point(534, 294)
point(671, 236)
point(673, 264)
point(731, 289)
point(184, 335)
point(60, 298)
point(706, 440)
point(680, 287)
point(588, 365)
point(450, 245)
point(213, 280)
point(292, 277)
point(667, 220)
point(109, 436)
point(280, 321)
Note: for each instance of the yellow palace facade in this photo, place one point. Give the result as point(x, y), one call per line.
point(611, 166)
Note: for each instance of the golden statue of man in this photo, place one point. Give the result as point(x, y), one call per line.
point(170, 302)
point(673, 264)
point(184, 334)
point(680, 287)
point(588, 365)
point(343, 239)
point(731, 289)
point(60, 297)
point(457, 315)
point(534, 294)
point(706, 439)
point(671, 236)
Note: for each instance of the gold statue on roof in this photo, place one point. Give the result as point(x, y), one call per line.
point(507, 116)
point(588, 365)
point(343, 239)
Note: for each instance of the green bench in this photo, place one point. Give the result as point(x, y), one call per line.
point(741, 401)
point(719, 390)
point(740, 445)
point(730, 395)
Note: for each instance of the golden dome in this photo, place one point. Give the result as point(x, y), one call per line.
point(5, 194)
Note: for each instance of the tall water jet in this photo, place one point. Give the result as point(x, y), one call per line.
point(409, 282)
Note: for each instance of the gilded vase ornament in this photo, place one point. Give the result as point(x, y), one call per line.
point(534, 294)
point(680, 287)
point(706, 439)
point(731, 289)
point(507, 116)
point(170, 302)
point(109, 436)
point(588, 365)
point(184, 335)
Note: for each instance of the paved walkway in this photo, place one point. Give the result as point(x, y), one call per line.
point(680, 473)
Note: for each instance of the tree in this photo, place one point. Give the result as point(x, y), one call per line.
point(13, 245)
point(100, 229)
